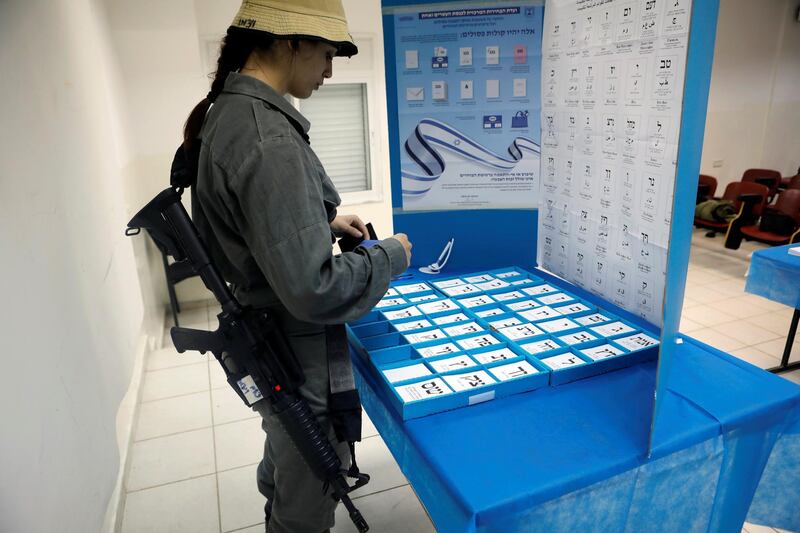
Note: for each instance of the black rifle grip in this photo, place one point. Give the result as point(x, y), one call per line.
point(198, 340)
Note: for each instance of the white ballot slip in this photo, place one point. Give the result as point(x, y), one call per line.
point(513, 295)
point(571, 309)
point(589, 320)
point(439, 306)
point(537, 347)
point(556, 298)
point(486, 313)
point(469, 380)
point(578, 337)
point(476, 301)
point(508, 274)
point(566, 360)
point(521, 331)
point(636, 342)
point(448, 283)
point(425, 336)
point(413, 288)
point(461, 290)
point(479, 278)
point(479, 341)
point(414, 324)
point(505, 323)
point(438, 350)
point(459, 362)
point(540, 313)
point(539, 289)
point(794, 250)
point(560, 324)
point(494, 356)
point(390, 302)
point(449, 319)
point(511, 371)
point(492, 285)
point(614, 328)
point(523, 305)
point(400, 314)
point(390, 293)
point(464, 328)
point(404, 373)
point(522, 282)
point(601, 352)
point(422, 390)
point(425, 298)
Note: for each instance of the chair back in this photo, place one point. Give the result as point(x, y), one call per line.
point(788, 203)
point(709, 182)
point(763, 176)
point(794, 182)
point(737, 188)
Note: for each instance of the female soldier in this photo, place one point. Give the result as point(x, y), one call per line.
point(266, 209)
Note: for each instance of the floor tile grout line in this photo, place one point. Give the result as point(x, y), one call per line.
point(172, 482)
point(212, 425)
point(173, 397)
point(214, 443)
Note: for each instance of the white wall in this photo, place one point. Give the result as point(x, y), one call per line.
point(72, 309)
point(754, 101)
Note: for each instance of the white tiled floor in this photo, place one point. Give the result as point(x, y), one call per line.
point(196, 445)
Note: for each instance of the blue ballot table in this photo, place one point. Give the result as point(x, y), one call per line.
point(775, 275)
point(573, 457)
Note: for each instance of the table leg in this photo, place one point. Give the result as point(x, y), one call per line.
point(785, 366)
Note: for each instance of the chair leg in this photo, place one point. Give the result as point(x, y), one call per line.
point(173, 298)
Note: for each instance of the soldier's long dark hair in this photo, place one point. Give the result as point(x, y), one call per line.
point(236, 47)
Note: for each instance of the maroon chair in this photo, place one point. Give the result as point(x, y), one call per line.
point(794, 182)
point(763, 176)
point(786, 182)
point(706, 187)
point(788, 203)
point(737, 192)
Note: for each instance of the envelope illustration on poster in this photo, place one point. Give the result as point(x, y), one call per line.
point(415, 94)
point(520, 87)
point(520, 119)
point(439, 62)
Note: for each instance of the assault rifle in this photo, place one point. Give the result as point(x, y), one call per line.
point(258, 362)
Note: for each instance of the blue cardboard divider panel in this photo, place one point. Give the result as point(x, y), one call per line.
point(693, 120)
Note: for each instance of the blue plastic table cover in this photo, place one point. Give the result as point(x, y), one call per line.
point(775, 274)
point(573, 457)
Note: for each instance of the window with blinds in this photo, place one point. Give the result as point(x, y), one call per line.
point(340, 133)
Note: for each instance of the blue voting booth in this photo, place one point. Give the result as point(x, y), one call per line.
point(563, 142)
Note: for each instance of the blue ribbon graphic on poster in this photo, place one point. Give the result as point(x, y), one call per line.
point(468, 105)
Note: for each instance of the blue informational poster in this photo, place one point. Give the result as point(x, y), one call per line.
point(468, 104)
